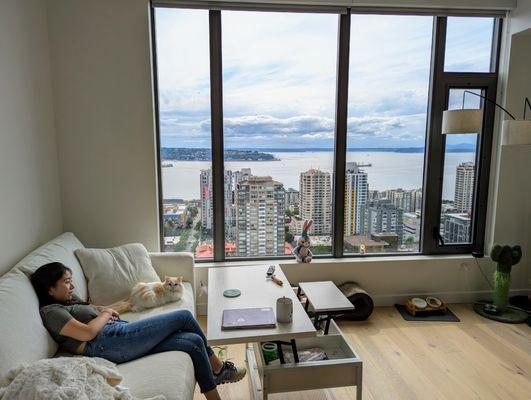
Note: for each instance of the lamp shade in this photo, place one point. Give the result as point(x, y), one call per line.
point(516, 132)
point(462, 121)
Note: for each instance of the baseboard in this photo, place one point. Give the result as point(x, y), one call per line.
point(450, 297)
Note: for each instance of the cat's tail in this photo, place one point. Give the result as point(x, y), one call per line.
point(122, 307)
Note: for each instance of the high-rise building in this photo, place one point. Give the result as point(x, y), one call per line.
point(407, 200)
point(207, 202)
point(230, 212)
point(292, 198)
point(382, 216)
point(241, 175)
point(316, 201)
point(411, 226)
point(206, 199)
point(456, 228)
point(464, 187)
point(259, 217)
point(374, 195)
point(356, 195)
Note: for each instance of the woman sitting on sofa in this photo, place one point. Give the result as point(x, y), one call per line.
point(96, 331)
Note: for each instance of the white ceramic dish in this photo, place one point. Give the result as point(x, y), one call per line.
point(419, 303)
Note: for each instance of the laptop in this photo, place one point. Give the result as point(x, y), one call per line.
point(248, 318)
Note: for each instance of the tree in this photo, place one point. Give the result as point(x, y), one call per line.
point(193, 212)
point(170, 229)
point(321, 249)
point(410, 239)
point(288, 236)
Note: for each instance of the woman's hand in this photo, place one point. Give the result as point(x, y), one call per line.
point(109, 310)
point(114, 315)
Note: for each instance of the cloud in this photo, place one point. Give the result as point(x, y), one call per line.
point(327, 135)
point(170, 121)
point(308, 127)
point(373, 125)
point(270, 126)
point(279, 75)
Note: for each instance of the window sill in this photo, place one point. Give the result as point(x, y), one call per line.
point(345, 260)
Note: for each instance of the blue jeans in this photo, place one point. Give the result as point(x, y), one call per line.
point(122, 341)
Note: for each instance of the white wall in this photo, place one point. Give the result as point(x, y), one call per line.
point(513, 205)
point(104, 120)
point(30, 208)
point(521, 16)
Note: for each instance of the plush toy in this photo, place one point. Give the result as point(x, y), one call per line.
point(302, 252)
point(506, 257)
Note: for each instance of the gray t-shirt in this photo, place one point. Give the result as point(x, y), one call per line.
point(55, 316)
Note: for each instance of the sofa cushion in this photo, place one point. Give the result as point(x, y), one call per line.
point(23, 338)
point(60, 249)
point(170, 374)
point(186, 303)
point(112, 273)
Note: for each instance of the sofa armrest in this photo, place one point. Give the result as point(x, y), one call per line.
point(174, 264)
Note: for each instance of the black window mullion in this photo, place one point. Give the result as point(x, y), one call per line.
point(216, 114)
point(157, 125)
point(340, 136)
point(483, 170)
point(434, 148)
point(496, 46)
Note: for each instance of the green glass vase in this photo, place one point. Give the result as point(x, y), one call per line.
point(502, 283)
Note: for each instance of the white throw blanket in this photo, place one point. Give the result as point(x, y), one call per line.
point(65, 378)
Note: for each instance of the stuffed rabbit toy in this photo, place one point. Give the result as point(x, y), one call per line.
point(302, 252)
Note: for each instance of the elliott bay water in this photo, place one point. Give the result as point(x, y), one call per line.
point(388, 171)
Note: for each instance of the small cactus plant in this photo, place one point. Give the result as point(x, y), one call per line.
point(506, 257)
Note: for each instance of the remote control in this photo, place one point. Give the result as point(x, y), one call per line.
point(271, 270)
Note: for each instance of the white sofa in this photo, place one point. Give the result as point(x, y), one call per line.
point(24, 339)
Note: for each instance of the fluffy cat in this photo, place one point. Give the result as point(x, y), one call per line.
point(152, 294)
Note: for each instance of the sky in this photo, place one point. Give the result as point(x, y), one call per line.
point(279, 77)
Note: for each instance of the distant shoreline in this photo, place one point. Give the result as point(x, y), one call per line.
point(264, 154)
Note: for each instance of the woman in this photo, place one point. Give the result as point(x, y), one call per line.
point(96, 331)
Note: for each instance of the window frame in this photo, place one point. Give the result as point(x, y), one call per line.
point(439, 85)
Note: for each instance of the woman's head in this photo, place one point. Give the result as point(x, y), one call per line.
point(53, 283)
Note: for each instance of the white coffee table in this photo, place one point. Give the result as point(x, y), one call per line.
point(256, 291)
point(326, 299)
point(342, 368)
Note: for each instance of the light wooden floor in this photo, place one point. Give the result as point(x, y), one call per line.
point(472, 359)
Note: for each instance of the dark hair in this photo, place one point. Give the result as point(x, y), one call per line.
point(46, 277)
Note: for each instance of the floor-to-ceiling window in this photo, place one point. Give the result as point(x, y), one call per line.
point(249, 116)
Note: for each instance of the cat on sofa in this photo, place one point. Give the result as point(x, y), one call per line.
point(151, 294)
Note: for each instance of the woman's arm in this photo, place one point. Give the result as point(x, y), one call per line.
point(85, 332)
point(115, 313)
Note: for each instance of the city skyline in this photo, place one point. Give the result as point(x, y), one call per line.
point(264, 218)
